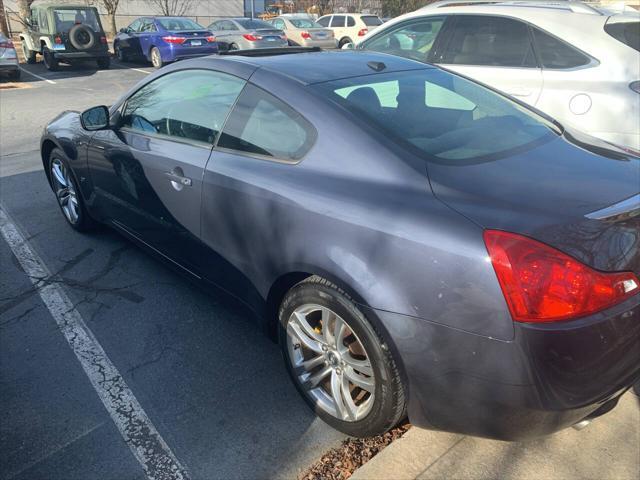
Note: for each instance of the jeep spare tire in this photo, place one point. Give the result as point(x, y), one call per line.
point(82, 37)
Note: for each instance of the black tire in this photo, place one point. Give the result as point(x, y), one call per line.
point(82, 37)
point(50, 62)
point(233, 47)
point(84, 222)
point(103, 63)
point(120, 54)
point(389, 406)
point(156, 57)
point(344, 41)
point(29, 55)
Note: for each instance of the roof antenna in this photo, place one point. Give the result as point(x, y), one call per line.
point(376, 66)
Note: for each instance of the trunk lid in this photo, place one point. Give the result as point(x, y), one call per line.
point(579, 199)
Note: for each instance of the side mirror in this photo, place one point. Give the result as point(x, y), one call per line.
point(96, 118)
point(124, 30)
point(348, 46)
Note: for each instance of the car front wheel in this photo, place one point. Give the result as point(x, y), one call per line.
point(67, 193)
point(337, 360)
point(29, 55)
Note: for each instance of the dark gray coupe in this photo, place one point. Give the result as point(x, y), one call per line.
point(418, 243)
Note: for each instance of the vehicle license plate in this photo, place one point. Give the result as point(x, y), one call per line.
point(196, 43)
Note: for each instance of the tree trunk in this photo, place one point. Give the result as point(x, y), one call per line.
point(112, 23)
point(3, 20)
point(24, 9)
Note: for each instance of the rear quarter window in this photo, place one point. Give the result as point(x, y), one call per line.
point(627, 33)
point(371, 20)
point(260, 124)
point(555, 54)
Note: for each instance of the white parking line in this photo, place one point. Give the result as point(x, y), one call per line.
point(37, 76)
point(149, 448)
point(140, 70)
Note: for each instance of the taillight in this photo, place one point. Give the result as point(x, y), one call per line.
point(542, 284)
point(211, 39)
point(363, 32)
point(7, 44)
point(174, 40)
point(635, 86)
point(252, 38)
point(305, 35)
point(103, 40)
point(58, 40)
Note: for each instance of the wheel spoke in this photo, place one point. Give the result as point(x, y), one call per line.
point(349, 404)
point(312, 363)
point(362, 366)
point(327, 318)
point(314, 380)
point(58, 173)
point(336, 394)
point(339, 330)
point(365, 383)
point(294, 329)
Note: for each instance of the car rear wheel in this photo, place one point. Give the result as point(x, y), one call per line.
point(156, 57)
point(29, 55)
point(344, 41)
point(103, 63)
point(233, 47)
point(337, 360)
point(50, 62)
point(122, 57)
point(67, 194)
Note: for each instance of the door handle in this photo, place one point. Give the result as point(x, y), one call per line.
point(174, 177)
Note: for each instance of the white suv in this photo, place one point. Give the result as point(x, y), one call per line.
point(350, 27)
point(577, 63)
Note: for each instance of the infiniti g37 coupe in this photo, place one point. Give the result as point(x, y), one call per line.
point(418, 244)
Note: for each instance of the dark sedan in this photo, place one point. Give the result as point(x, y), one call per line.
point(418, 243)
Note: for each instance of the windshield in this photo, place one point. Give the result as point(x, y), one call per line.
point(68, 17)
point(440, 114)
point(254, 24)
point(627, 33)
point(177, 24)
point(371, 20)
point(304, 23)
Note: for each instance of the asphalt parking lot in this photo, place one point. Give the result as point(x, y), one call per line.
point(209, 381)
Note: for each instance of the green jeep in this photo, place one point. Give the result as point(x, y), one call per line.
point(64, 33)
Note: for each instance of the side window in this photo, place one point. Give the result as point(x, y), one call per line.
point(35, 20)
point(324, 21)
point(230, 25)
point(491, 41)
point(136, 25)
point(338, 21)
point(556, 54)
point(44, 23)
point(261, 124)
point(351, 22)
point(414, 40)
point(148, 25)
point(196, 111)
point(279, 24)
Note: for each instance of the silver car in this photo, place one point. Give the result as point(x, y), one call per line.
point(247, 34)
point(8, 58)
point(304, 31)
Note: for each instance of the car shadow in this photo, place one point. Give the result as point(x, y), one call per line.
point(32, 72)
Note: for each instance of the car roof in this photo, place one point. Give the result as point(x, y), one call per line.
point(325, 66)
point(59, 4)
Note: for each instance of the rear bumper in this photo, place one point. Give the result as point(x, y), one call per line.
point(547, 378)
point(329, 43)
point(8, 64)
point(90, 55)
point(181, 53)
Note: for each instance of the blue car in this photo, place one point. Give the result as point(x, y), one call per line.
point(163, 39)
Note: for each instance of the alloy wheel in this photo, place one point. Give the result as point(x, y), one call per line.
point(330, 362)
point(156, 59)
point(65, 191)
